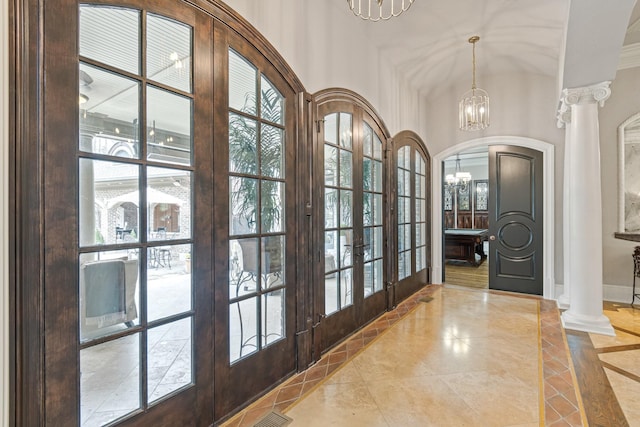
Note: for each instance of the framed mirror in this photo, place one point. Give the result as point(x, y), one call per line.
point(629, 176)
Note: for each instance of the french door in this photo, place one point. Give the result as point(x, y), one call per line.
point(351, 282)
point(167, 164)
point(142, 288)
point(255, 251)
point(412, 215)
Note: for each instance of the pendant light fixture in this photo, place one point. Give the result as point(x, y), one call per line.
point(459, 181)
point(378, 10)
point(474, 106)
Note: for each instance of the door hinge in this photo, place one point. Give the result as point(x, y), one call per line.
point(318, 123)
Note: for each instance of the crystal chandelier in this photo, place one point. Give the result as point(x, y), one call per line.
point(474, 106)
point(378, 10)
point(460, 180)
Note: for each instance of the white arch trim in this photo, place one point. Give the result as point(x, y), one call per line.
point(548, 152)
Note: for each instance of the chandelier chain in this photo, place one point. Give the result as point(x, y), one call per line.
point(473, 83)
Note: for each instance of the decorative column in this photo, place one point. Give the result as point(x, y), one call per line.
point(564, 120)
point(583, 206)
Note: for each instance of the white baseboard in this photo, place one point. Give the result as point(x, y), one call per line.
point(613, 293)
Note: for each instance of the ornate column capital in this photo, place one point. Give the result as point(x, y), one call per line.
point(579, 96)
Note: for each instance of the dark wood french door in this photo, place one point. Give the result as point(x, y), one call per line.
point(350, 285)
point(255, 250)
point(127, 289)
point(165, 175)
point(412, 215)
point(515, 219)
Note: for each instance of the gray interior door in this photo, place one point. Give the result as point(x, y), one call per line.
point(515, 219)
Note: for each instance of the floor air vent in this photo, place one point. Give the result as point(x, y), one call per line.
point(273, 419)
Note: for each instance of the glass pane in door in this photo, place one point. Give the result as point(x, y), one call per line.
point(420, 203)
point(136, 299)
point(109, 113)
point(169, 52)
point(102, 30)
point(108, 216)
point(168, 127)
point(110, 386)
point(403, 173)
point(372, 210)
point(169, 357)
point(258, 225)
point(338, 212)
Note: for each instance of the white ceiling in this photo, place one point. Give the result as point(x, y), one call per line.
point(428, 44)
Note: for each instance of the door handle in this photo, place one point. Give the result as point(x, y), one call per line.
point(492, 237)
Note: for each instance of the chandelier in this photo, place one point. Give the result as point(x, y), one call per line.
point(460, 180)
point(378, 10)
point(474, 106)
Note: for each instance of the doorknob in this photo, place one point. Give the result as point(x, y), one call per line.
point(492, 237)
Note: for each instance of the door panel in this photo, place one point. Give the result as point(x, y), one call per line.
point(136, 159)
point(256, 286)
point(515, 245)
point(352, 254)
point(412, 215)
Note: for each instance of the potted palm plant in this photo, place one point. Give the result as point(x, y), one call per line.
point(257, 166)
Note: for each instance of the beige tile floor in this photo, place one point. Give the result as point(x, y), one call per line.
point(467, 358)
point(621, 357)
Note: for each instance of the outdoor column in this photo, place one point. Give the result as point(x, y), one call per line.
point(583, 200)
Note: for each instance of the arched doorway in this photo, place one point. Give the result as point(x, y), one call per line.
point(548, 159)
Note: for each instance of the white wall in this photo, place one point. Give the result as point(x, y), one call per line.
point(522, 105)
point(623, 103)
point(328, 47)
point(4, 214)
